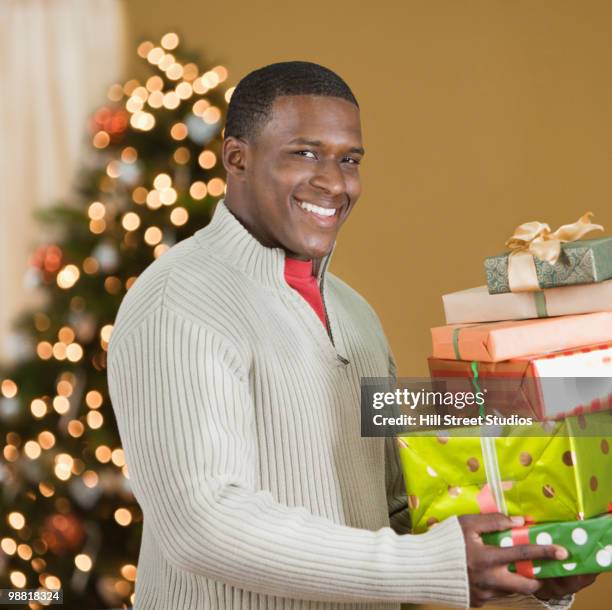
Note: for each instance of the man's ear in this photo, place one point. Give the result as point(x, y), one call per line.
point(235, 156)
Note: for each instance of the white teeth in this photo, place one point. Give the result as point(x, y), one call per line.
point(310, 207)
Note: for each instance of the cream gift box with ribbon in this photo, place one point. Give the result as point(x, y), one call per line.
point(540, 258)
point(477, 305)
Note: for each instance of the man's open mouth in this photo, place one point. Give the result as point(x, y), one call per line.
point(319, 212)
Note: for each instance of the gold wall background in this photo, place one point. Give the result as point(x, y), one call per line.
point(476, 116)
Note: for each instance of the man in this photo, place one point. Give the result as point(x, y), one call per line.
point(234, 371)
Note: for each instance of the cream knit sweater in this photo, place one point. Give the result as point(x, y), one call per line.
point(240, 421)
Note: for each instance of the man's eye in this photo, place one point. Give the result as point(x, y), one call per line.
point(353, 161)
point(305, 152)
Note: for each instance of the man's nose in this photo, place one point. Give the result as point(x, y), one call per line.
point(329, 177)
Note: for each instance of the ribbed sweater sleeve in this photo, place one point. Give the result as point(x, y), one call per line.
point(183, 402)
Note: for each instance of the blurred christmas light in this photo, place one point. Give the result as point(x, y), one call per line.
point(198, 190)
point(46, 489)
point(162, 181)
point(94, 419)
point(10, 453)
point(129, 154)
point(155, 83)
point(101, 139)
point(175, 71)
point(16, 520)
point(46, 439)
point(128, 572)
point(118, 457)
point(215, 187)
point(165, 62)
point(182, 155)
point(144, 48)
point(123, 516)
point(190, 71)
point(160, 249)
point(144, 121)
point(8, 388)
point(153, 235)
point(68, 276)
point(211, 115)
point(153, 200)
point(96, 210)
point(199, 107)
point(129, 87)
point(131, 221)
point(32, 449)
point(90, 265)
point(90, 478)
point(65, 334)
point(105, 332)
point(210, 79)
point(24, 551)
point(61, 404)
point(38, 408)
point(53, 582)
point(103, 454)
point(115, 93)
point(83, 562)
point(156, 99)
point(228, 94)
point(97, 226)
point(179, 216)
point(184, 90)
point(171, 100)
point(9, 546)
point(75, 428)
point(93, 399)
point(167, 196)
point(18, 579)
point(170, 41)
point(207, 159)
point(113, 285)
point(139, 195)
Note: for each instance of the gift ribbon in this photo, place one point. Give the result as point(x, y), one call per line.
point(520, 535)
point(535, 239)
point(489, 453)
point(487, 443)
point(540, 303)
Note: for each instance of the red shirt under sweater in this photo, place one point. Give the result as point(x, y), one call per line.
point(298, 274)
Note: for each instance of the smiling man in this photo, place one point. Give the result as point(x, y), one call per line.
point(234, 370)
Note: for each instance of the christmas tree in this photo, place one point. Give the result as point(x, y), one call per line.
point(151, 178)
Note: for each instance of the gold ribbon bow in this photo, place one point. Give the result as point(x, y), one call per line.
point(536, 239)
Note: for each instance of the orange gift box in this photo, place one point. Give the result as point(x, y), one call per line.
point(497, 341)
point(545, 386)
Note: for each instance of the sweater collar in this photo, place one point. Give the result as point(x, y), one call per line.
point(230, 240)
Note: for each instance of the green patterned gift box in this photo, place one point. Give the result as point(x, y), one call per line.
point(588, 542)
point(563, 476)
point(581, 262)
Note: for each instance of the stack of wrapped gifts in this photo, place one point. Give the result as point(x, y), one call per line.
point(537, 341)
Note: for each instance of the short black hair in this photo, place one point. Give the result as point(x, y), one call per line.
point(251, 102)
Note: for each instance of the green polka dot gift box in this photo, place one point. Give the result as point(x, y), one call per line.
point(563, 476)
point(588, 542)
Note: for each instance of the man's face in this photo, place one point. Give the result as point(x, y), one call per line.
point(306, 155)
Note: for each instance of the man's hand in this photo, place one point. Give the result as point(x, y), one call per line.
point(556, 588)
point(487, 565)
